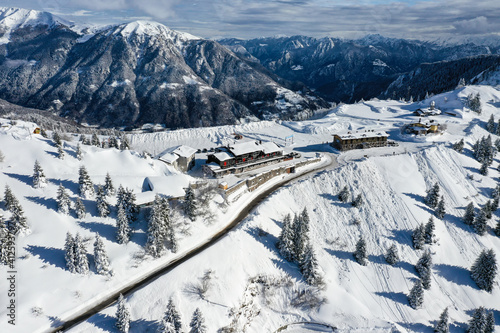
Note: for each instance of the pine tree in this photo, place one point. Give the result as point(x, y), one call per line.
point(344, 194)
point(39, 179)
point(43, 133)
point(172, 316)
point(56, 138)
point(300, 237)
point(95, 140)
point(440, 209)
point(478, 322)
point(392, 255)
point(461, 83)
point(416, 296)
point(423, 267)
point(429, 231)
point(60, 152)
point(494, 204)
point(157, 228)
point(360, 253)
point(443, 326)
point(80, 209)
point(113, 143)
point(109, 189)
point(497, 229)
point(490, 125)
point(166, 327)
point(79, 153)
point(487, 209)
point(490, 323)
point(285, 240)
point(484, 270)
point(358, 201)
point(459, 146)
point(81, 260)
point(8, 198)
point(126, 199)
point(63, 201)
point(418, 237)
point(4, 242)
point(86, 185)
point(197, 323)
point(190, 204)
point(100, 257)
point(102, 203)
point(484, 168)
point(18, 223)
point(122, 226)
point(124, 145)
point(469, 214)
point(480, 223)
point(69, 253)
point(122, 315)
point(309, 267)
point(432, 197)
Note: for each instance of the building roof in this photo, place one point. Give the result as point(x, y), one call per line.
point(270, 147)
point(171, 154)
point(248, 147)
point(168, 157)
point(223, 156)
point(362, 135)
point(169, 186)
point(184, 151)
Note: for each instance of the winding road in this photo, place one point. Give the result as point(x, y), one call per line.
point(138, 284)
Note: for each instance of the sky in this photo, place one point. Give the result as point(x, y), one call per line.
point(263, 18)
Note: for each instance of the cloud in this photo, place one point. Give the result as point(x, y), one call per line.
point(478, 25)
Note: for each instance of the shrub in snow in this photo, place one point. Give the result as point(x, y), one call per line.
point(122, 227)
point(172, 317)
point(440, 209)
point(308, 298)
point(122, 315)
point(109, 189)
point(38, 176)
point(484, 270)
point(423, 267)
point(358, 201)
point(459, 146)
point(85, 183)
point(63, 201)
point(480, 223)
point(360, 253)
point(344, 194)
point(469, 214)
point(285, 240)
point(102, 203)
point(416, 296)
point(101, 260)
point(478, 322)
point(79, 208)
point(392, 255)
point(429, 231)
point(432, 197)
point(418, 237)
point(443, 326)
point(197, 324)
point(190, 204)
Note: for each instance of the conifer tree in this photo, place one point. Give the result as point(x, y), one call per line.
point(490, 323)
point(126, 198)
point(109, 189)
point(124, 144)
point(429, 231)
point(197, 323)
point(432, 197)
point(480, 223)
point(122, 226)
point(358, 201)
point(423, 267)
point(85, 183)
point(490, 125)
point(79, 152)
point(4, 242)
point(166, 327)
point(159, 223)
point(469, 214)
point(478, 322)
point(56, 138)
point(494, 204)
point(172, 316)
point(43, 133)
point(443, 326)
point(459, 146)
point(497, 229)
point(484, 270)
point(69, 253)
point(190, 204)
point(360, 253)
point(440, 209)
point(392, 255)
point(81, 260)
point(18, 223)
point(344, 194)
point(416, 296)
point(487, 209)
point(300, 237)
point(113, 143)
point(95, 140)
point(309, 267)
point(122, 315)
point(60, 152)
point(39, 179)
point(418, 237)
point(63, 201)
point(285, 240)
point(8, 198)
point(80, 209)
point(100, 257)
point(102, 203)
point(484, 168)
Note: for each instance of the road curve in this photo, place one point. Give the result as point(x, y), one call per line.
point(77, 319)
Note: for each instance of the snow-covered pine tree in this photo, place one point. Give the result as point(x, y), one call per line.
point(418, 237)
point(487, 209)
point(102, 203)
point(484, 270)
point(461, 83)
point(494, 204)
point(109, 189)
point(285, 240)
point(173, 317)
point(429, 231)
point(309, 267)
point(60, 152)
point(360, 253)
point(483, 170)
point(81, 260)
point(43, 133)
point(416, 296)
point(18, 222)
point(497, 229)
point(124, 144)
point(113, 143)
point(358, 201)
point(490, 323)
point(392, 255)
point(443, 326)
point(490, 150)
point(63, 201)
point(126, 198)
point(197, 323)
point(122, 226)
point(474, 103)
point(79, 152)
point(304, 216)
point(166, 327)
point(95, 140)
point(440, 209)
point(56, 138)
point(69, 253)
point(4, 242)
point(344, 194)
point(85, 183)
point(170, 236)
point(156, 229)
point(432, 197)
point(424, 269)
point(459, 146)
point(478, 322)
point(490, 125)
point(80, 209)
point(480, 222)
point(39, 179)
point(122, 315)
point(190, 204)
point(469, 214)
point(300, 237)
point(101, 259)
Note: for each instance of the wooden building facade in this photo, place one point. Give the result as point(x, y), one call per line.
point(359, 140)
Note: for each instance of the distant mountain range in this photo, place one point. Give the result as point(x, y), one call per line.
point(143, 72)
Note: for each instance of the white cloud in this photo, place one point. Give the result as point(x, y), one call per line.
point(478, 25)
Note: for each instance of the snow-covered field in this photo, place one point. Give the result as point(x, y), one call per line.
point(370, 298)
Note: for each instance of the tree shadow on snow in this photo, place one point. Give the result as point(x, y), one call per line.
point(265, 238)
point(28, 180)
point(68, 184)
point(55, 321)
point(344, 255)
point(143, 325)
point(48, 255)
point(290, 268)
point(104, 230)
point(278, 223)
point(455, 274)
point(416, 197)
point(459, 223)
point(417, 327)
point(403, 237)
point(103, 322)
point(428, 210)
point(396, 297)
point(51, 153)
point(49, 203)
point(329, 196)
point(458, 327)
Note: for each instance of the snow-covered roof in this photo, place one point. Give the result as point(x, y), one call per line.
point(170, 186)
point(270, 147)
point(184, 151)
point(168, 158)
point(223, 156)
point(362, 135)
point(248, 147)
point(171, 154)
